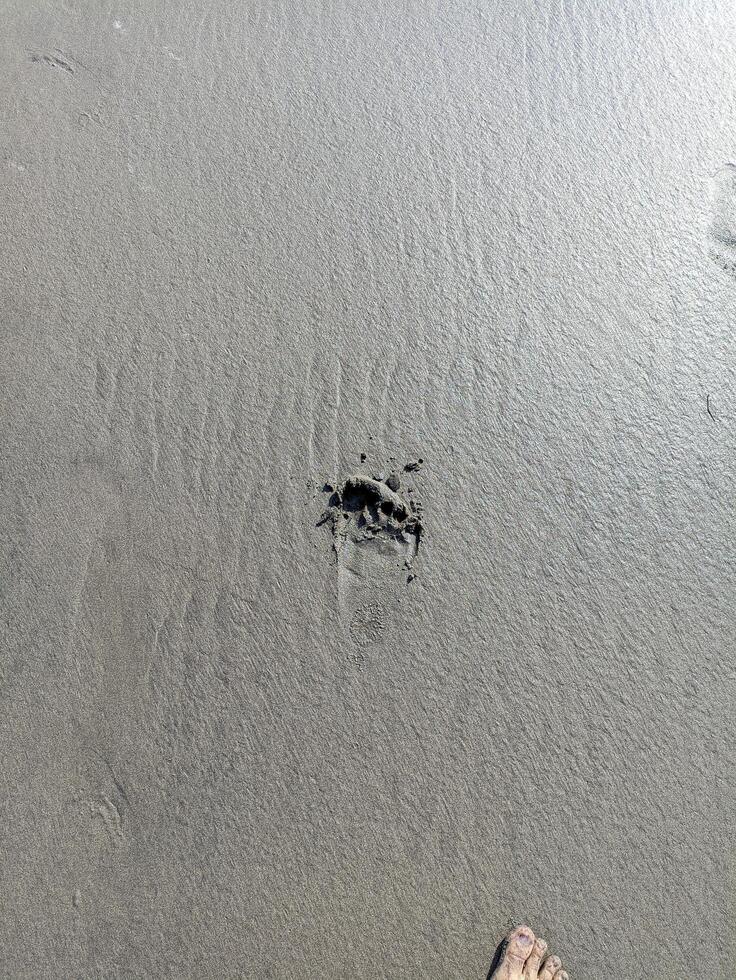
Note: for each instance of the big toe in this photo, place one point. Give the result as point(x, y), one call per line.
point(517, 948)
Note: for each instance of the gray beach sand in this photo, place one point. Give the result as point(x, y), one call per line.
point(248, 732)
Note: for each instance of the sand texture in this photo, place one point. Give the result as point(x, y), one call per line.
point(277, 699)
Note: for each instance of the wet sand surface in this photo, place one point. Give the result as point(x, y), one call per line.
point(247, 732)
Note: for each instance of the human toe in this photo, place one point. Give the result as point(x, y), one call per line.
point(531, 967)
point(550, 967)
point(517, 947)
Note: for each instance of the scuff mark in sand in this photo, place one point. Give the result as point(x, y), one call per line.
point(53, 61)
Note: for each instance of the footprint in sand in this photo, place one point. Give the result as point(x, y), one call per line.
point(376, 537)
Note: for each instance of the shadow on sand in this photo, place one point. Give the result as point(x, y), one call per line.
point(497, 956)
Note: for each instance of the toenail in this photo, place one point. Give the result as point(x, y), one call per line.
point(525, 939)
point(541, 945)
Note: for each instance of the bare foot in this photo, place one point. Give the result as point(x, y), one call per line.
point(525, 958)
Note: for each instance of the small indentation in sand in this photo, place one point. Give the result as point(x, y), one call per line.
point(103, 808)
